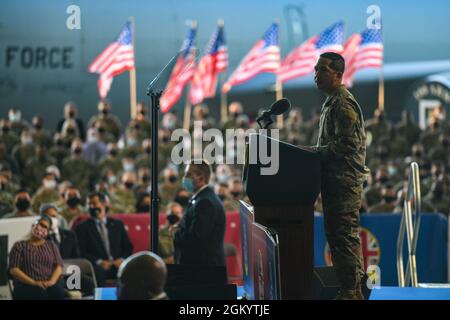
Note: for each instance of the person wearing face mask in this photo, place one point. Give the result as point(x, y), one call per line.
point(223, 192)
point(408, 128)
point(70, 114)
point(388, 202)
point(144, 180)
point(199, 236)
point(22, 204)
point(23, 151)
point(72, 208)
point(174, 213)
point(169, 186)
point(40, 135)
point(378, 125)
point(141, 118)
point(6, 196)
point(235, 109)
point(59, 151)
point(35, 168)
point(77, 170)
point(132, 143)
point(7, 160)
point(170, 121)
point(144, 159)
point(67, 243)
point(440, 153)
point(182, 197)
point(438, 195)
point(110, 122)
point(36, 265)
point(7, 136)
point(112, 161)
point(18, 125)
point(47, 193)
point(143, 203)
point(125, 193)
point(372, 193)
point(103, 240)
point(94, 150)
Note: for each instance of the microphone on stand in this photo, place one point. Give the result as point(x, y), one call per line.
point(277, 108)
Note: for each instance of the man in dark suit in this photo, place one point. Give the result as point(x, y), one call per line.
point(103, 241)
point(67, 243)
point(199, 237)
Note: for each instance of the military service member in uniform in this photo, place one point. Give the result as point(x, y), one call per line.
point(342, 148)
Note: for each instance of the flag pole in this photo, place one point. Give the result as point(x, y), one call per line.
point(223, 95)
point(133, 75)
point(223, 103)
point(187, 111)
point(381, 89)
point(278, 96)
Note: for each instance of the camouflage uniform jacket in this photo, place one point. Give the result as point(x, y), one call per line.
point(342, 146)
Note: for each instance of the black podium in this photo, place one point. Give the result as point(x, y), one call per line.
point(284, 201)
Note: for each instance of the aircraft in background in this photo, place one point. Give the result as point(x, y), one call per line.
point(43, 64)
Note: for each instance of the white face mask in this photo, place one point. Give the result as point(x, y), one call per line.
point(27, 140)
point(14, 117)
point(128, 167)
point(112, 179)
point(55, 223)
point(49, 184)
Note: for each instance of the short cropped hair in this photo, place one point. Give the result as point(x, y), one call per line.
point(101, 196)
point(337, 61)
point(202, 168)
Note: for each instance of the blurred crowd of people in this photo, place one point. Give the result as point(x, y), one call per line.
point(63, 165)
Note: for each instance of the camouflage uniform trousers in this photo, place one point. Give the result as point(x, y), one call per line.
point(341, 205)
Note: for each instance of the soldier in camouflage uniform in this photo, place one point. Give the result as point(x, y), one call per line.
point(341, 145)
point(77, 170)
point(23, 151)
point(108, 121)
point(8, 137)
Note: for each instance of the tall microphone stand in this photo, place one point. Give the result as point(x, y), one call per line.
point(154, 208)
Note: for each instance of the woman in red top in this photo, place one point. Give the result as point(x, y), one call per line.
point(36, 265)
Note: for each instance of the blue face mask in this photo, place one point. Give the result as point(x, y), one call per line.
point(188, 184)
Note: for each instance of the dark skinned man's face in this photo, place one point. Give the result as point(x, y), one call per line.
point(326, 79)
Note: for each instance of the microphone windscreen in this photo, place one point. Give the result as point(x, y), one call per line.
point(280, 106)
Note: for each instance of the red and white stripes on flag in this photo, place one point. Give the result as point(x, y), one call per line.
point(364, 50)
point(115, 59)
point(181, 74)
point(263, 57)
point(215, 61)
point(301, 61)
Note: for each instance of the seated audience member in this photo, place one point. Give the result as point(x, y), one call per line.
point(142, 277)
point(67, 244)
point(22, 202)
point(72, 208)
point(36, 264)
point(174, 213)
point(103, 241)
point(143, 202)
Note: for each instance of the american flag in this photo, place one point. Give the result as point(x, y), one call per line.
point(215, 61)
point(301, 61)
point(181, 74)
point(367, 54)
point(115, 59)
point(263, 57)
